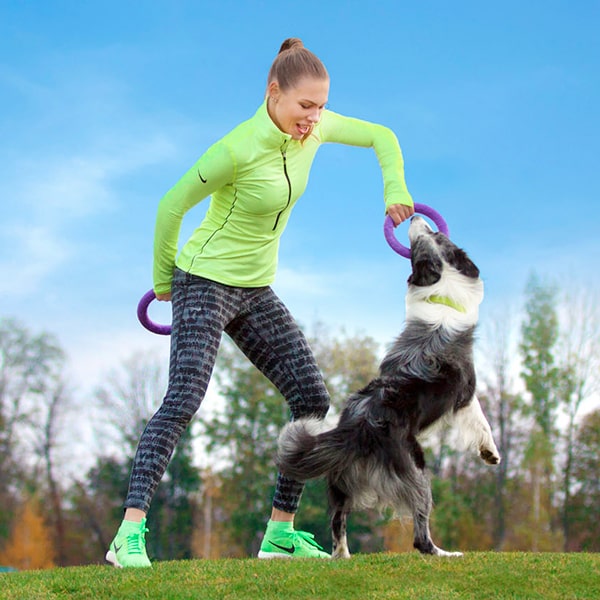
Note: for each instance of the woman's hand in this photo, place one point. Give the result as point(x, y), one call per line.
point(164, 297)
point(400, 212)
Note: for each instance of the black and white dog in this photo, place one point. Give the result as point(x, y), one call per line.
point(372, 457)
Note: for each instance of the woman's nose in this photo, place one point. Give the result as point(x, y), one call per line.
point(314, 115)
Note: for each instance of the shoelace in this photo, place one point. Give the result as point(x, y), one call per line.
point(136, 541)
point(309, 538)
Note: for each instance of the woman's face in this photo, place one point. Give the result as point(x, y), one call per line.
point(296, 110)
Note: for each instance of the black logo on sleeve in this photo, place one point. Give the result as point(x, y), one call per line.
point(201, 178)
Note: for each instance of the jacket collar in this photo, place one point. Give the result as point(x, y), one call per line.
point(266, 131)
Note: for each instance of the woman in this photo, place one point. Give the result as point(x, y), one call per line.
point(220, 280)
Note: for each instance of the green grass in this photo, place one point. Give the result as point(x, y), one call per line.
point(477, 575)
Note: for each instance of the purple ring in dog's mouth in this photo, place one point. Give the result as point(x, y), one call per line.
point(422, 209)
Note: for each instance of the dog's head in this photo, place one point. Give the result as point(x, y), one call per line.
point(444, 283)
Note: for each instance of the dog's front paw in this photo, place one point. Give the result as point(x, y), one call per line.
point(491, 457)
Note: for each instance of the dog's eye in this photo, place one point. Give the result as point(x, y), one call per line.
point(464, 264)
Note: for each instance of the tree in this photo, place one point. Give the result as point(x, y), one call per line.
point(30, 544)
point(30, 368)
point(540, 375)
point(56, 399)
point(128, 398)
point(538, 345)
point(579, 381)
point(348, 362)
point(500, 403)
point(585, 507)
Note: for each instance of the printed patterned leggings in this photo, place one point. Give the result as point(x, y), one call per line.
point(262, 327)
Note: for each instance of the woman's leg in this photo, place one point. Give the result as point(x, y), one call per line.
point(268, 335)
point(201, 309)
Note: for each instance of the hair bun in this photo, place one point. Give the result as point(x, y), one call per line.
point(291, 44)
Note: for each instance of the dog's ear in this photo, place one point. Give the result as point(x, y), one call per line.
point(425, 272)
point(464, 264)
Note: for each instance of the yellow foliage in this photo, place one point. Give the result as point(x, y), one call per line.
point(30, 545)
point(209, 538)
point(398, 535)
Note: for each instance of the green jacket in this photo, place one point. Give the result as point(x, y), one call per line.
point(255, 174)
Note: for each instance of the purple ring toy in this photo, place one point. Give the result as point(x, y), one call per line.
point(422, 209)
point(142, 313)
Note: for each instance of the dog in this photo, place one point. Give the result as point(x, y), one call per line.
point(372, 457)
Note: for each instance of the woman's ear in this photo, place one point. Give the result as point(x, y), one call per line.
point(273, 90)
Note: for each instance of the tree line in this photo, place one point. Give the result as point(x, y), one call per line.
point(538, 384)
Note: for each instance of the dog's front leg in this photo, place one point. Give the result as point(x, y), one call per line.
point(476, 431)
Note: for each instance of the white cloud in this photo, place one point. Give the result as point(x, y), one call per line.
point(36, 251)
point(49, 199)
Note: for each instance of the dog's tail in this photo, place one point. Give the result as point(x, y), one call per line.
point(308, 449)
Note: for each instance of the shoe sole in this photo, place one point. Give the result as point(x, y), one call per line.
point(278, 555)
point(111, 557)
point(269, 555)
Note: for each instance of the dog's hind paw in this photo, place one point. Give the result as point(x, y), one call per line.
point(439, 552)
point(489, 456)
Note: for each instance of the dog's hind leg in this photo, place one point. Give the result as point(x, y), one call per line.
point(421, 502)
point(476, 431)
point(339, 516)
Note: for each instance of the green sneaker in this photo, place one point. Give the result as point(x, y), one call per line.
point(128, 549)
point(283, 541)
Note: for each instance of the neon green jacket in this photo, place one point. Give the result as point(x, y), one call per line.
point(255, 174)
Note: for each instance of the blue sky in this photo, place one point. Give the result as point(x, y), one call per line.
point(104, 105)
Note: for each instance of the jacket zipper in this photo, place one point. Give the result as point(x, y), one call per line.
point(289, 190)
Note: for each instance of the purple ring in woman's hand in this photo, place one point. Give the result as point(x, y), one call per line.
point(142, 313)
point(422, 209)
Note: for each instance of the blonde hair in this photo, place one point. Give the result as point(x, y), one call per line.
point(293, 62)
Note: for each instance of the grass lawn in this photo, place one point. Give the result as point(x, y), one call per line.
point(477, 575)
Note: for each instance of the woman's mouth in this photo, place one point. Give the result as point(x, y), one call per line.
point(302, 129)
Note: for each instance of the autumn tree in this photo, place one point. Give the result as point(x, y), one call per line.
point(30, 544)
point(56, 401)
point(30, 383)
